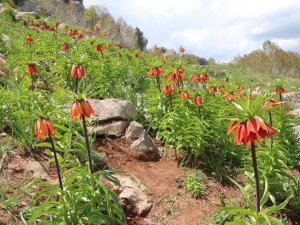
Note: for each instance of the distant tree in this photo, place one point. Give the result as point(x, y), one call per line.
point(141, 40)
point(91, 16)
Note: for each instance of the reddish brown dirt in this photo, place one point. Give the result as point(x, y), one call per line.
point(164, 185)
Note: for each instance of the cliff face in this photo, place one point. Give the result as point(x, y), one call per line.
point(66, 11)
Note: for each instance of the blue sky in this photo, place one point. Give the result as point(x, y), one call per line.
point(220, 29)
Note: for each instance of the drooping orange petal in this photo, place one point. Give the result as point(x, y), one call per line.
point(258, 124)
point(252, 123)
point(237, 135)
point(87, 109)
point(50, 127)
point(270, 129)
point(76, 111)
point(232, 127)
point(80, 72)
point(243, 132)
point(262, 133)
point(73, 71)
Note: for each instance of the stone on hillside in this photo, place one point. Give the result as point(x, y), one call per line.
point(38, 169)
point(6, 40)
point(132, 196)
point(22, 15)
point(144, 148)
point(297, 130)
point(62, 26)
point(112, 109)
point(67, 11)
point(3, 66)
point(291, 98)
point(115, 128)
point(134, 131)
point(296, 113)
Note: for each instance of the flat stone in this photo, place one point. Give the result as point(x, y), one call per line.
point(21, 15)
point(297, 130)
point(296, 113)
point(115, 128)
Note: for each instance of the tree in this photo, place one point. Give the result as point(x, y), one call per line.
point(141, 40)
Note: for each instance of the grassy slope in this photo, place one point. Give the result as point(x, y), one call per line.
point(248, 76)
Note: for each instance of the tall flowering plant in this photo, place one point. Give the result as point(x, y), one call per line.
point(250, 128)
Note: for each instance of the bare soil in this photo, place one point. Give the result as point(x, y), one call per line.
point(163, 181)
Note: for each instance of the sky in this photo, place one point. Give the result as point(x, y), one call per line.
point(221, 29)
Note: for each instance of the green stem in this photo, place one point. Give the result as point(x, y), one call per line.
point(59, 179)
point(254, 162)
point(90, 160)
point(76, 84)
point(271, 124)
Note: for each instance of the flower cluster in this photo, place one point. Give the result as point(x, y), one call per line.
point(80, 109)
point(43, 128)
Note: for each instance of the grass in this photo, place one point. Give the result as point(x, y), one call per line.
point(6, 146)
point(257, 79)
point(195, 184)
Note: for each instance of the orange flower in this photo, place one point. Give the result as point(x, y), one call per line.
point(279, 90)
point(81, 108)
point(250, 131)
point(77, 71)
point(99, 48)
point(108, 46)
point(169, 89)
point(28, 39)
point(182, 50)
point(87, 109)
point(44, 127)
point(136, 56)
point(65, 47)
point(179, 72)
point(227, 96)
point(155, 72)
point(197, 100)
point(184, 95)
point(31, 69)
point(221, 89)
point(212, 90)
point(271, 103)
point(171, 77)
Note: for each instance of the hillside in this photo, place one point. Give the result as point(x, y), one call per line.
point(93, 132)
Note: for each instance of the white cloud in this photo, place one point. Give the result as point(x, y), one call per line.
point(215, 28)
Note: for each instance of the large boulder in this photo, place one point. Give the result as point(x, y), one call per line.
point(115, 128)
point(112, 109)
point(132, 196)
point(134, 131)
point(22, 15)
point(144, 148)
point(67, 11)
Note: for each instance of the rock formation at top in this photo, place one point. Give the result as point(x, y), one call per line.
point(66, 11)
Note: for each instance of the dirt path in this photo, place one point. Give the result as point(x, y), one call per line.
point(164, 185)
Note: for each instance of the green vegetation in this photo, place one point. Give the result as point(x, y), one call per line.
point(190, 107)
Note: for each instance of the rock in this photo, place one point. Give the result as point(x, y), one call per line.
point(99, 161)
point(134, 131)
point(6, 40)
point(62, 26)
point(38, 169)
point(131, 194)
point(296, 113)
point(115, 128)
point(3, 65)
point(144, 148)
point(297, 130)
point(291, 98)
point(112, 109)
point(3, 135)
point(1, 8)
point(21, 15)
point(67, 11)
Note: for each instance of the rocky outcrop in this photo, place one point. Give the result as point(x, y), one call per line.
point(66, 11)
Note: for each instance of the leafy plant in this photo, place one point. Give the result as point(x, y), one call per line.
point(195, 184)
